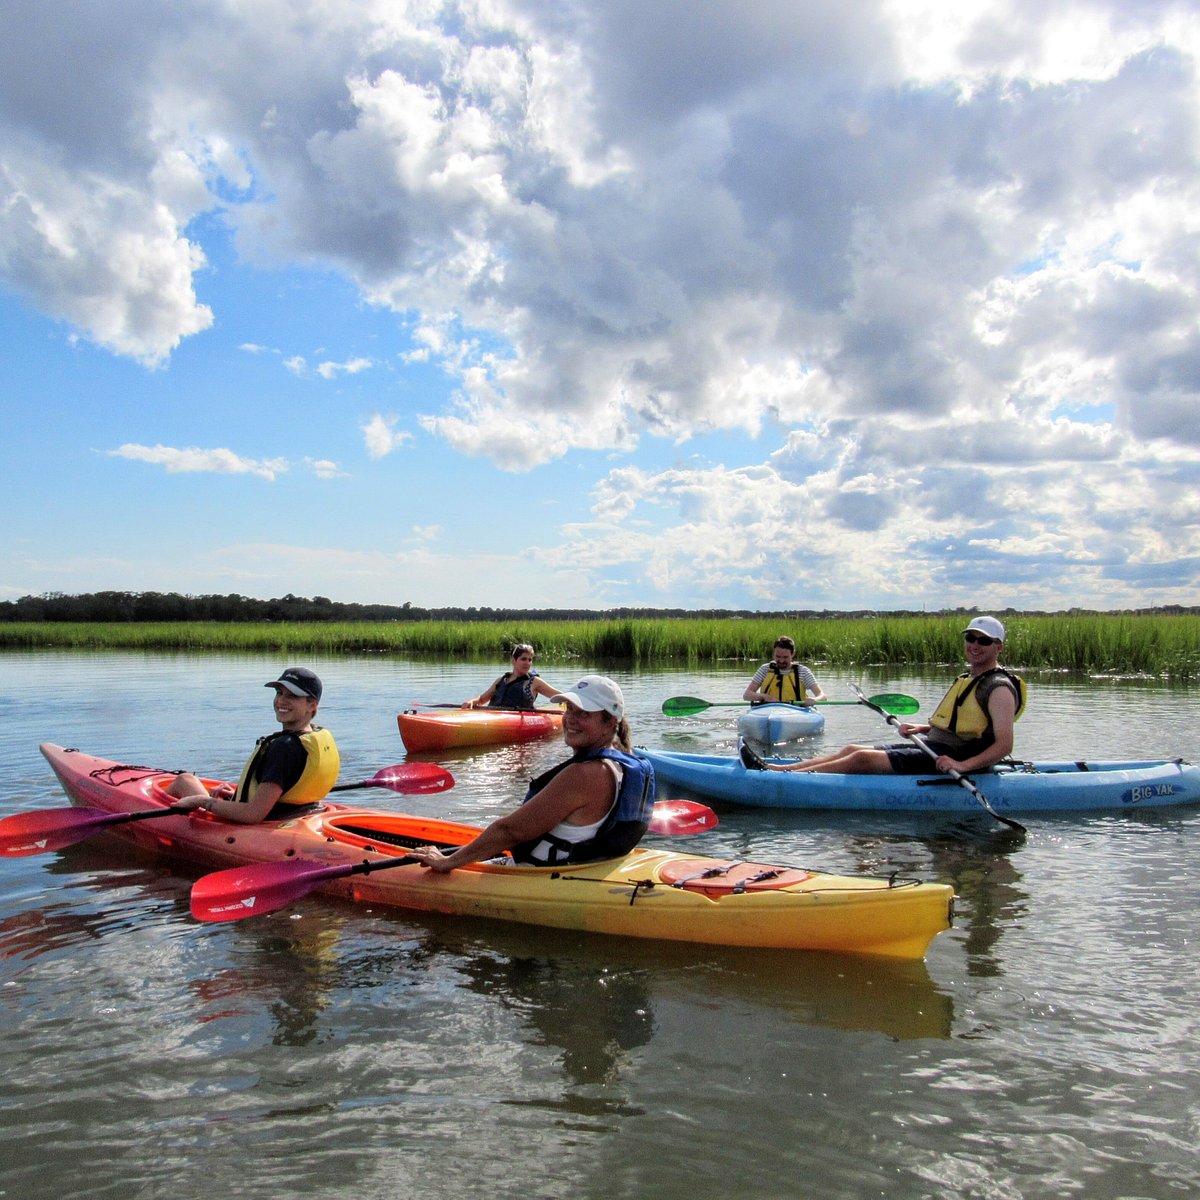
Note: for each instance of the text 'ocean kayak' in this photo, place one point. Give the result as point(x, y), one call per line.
point(445, 729)
point(646, 894)
point(1020, 788)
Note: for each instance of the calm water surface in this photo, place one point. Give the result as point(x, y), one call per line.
point(1048, 1046)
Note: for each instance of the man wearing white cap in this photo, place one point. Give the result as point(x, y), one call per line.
point(595, 805)
point(289, 771)
point(971, 728)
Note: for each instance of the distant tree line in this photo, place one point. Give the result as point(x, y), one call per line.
point(172, 606)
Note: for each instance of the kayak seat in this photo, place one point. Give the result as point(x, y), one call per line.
point(394, 839)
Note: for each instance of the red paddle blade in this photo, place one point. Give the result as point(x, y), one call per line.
point(408, 778)
point(682, 816)
point(259, 888)
point(414, 778)
point(48, 829)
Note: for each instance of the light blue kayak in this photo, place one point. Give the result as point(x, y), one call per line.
point(1020, 788)
point(775, 724)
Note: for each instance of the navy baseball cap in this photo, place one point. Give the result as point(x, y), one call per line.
point(300, 681)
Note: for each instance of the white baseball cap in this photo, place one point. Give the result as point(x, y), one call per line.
point(595, 693)
point(988, 626)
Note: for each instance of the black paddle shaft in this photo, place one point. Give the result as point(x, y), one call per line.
point(957, 776)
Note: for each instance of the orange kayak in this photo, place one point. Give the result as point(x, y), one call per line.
point(443, 729)
point(647, 893)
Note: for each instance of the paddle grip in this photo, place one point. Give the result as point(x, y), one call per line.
point(368, 865)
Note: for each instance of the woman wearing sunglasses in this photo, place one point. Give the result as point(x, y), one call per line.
point(971, 728)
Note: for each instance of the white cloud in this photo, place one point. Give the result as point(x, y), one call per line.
point(797, 191)
point(1028, 39)
point(380, 436)
point(192, 459)
point(353, 366)
point(942, 257)
point(324, 468)
point(106, 257)
point(944, 529)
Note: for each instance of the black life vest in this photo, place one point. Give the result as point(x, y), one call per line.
point(512, 692)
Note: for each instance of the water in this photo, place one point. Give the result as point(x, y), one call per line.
point(1046, 1048)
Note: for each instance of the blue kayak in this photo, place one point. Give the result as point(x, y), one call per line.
point(1017, 788)
point(774, 724)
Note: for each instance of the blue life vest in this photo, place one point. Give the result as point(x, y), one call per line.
point(621, 829)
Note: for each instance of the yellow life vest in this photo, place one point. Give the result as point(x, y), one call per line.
point(960, 710)
point(786, 685)
point(319, 775)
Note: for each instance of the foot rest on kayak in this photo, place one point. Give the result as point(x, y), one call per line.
point(751, 760)
point(732, 878)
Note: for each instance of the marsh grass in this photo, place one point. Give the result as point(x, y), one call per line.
point(1163, 645)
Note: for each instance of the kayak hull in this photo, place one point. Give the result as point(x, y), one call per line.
point(646, 894)
point(1032, 788)
point(776, 724)
point(444, 730)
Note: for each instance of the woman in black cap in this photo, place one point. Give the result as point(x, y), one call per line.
point(289, 771)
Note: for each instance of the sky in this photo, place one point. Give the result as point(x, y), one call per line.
point(761, 304)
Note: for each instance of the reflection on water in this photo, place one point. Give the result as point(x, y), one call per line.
point(978, 861)
point(593, 1020)
point(551, 976)
point(293, 972)
point(1042, 1049)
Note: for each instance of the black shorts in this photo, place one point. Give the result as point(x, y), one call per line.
point(907, 758)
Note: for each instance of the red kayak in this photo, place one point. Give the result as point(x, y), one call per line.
point(443, 729)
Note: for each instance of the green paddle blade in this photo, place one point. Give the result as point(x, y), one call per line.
point(684, 706)
point(688, 706)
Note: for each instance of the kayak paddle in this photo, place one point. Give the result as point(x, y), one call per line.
point(686, 706)
point(679, 817)
point(536, 710)
point(415, 778)
point(47, 829)
point(958, 777)
point(261, 888)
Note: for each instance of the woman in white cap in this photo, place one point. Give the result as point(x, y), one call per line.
point(595, 805)
point(971, 728)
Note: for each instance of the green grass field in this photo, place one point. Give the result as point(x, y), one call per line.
point(1166, 646)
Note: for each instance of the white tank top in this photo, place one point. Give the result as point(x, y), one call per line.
point(580, 833)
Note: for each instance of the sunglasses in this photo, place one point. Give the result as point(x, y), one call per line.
point(979, 639)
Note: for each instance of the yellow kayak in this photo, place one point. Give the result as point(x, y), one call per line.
point(359, 854)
